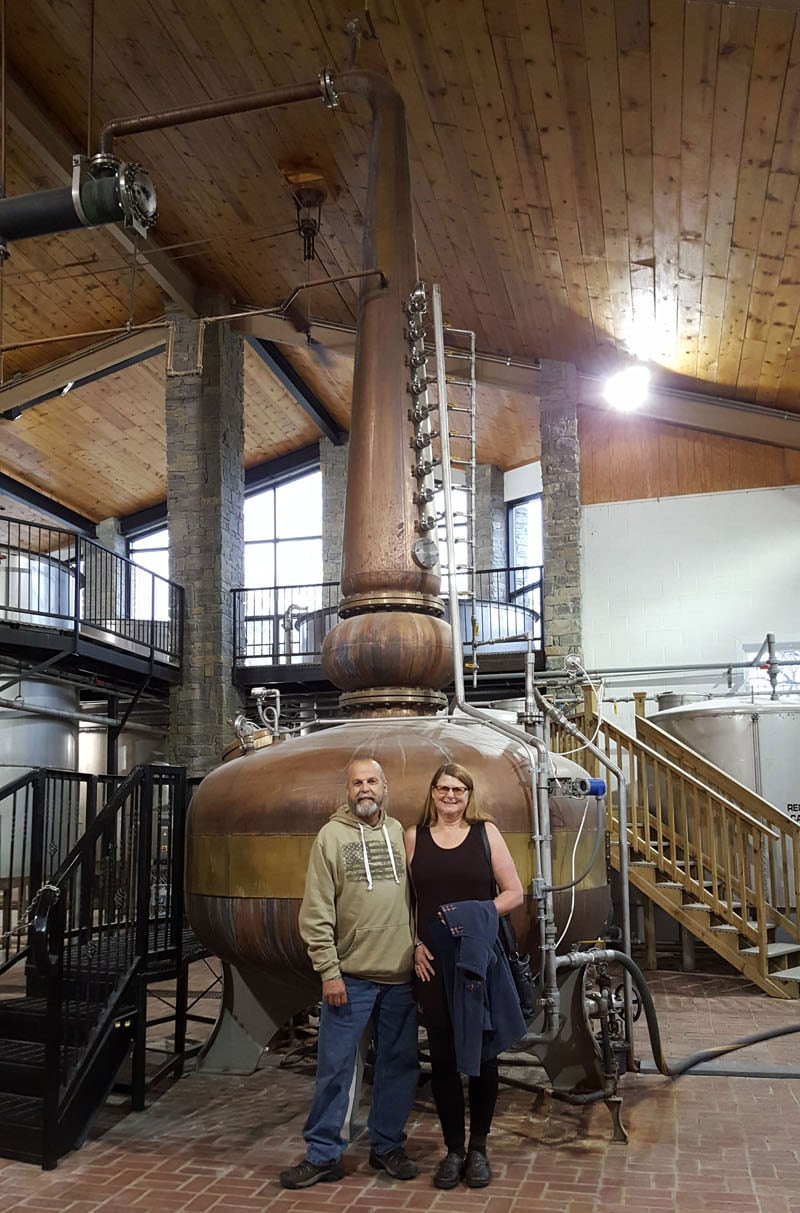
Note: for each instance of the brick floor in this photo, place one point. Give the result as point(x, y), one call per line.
point(710, 1144)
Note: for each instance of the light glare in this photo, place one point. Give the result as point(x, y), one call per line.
point(627, 390)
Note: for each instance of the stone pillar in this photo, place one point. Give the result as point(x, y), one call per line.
point(333, 466)
point(205, 504)
point(491, 547)
point(558, 421)
point(104, 592)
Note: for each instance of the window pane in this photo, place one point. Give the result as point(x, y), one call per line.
point(259, 516)
point(525, 531)
point(156, 562)
point(298, 507)
point(158, 539)
point(259, 564)
point(299, 562)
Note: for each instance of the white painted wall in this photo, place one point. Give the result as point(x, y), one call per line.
point(522, 481)
point(688, 580)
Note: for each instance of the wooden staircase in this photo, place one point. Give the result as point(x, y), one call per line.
point(715, 856)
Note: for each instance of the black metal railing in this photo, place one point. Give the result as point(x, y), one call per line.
point(93, 915)
point(286, 625)
point(42, 815)
point(52, 578)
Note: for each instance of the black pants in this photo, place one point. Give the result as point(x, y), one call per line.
point(448, 1092)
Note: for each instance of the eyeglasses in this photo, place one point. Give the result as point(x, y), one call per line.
point(445, 790)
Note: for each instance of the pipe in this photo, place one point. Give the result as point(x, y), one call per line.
point(610, 955)
point(555, 714)
point(540, 803)
point(19, 705)
point(185, 114)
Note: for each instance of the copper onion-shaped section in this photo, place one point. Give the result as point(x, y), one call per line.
point(417, 651)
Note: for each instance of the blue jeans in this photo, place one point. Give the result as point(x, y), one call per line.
point(396, 1073)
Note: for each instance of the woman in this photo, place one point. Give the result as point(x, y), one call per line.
point(448, 861)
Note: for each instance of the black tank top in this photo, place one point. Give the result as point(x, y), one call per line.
point(441, 875)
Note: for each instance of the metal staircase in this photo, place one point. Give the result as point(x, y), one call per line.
point(87, 923)
point(712, 854)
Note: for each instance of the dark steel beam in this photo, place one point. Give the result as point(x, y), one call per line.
point(62, 515)
point(261, 476)
point(288, 377)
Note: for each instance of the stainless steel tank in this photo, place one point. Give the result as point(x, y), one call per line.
point(757, 743)
point(28, 741)
point(35, 589)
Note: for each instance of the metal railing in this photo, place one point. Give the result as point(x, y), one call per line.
point(717, 844)
point(286, 625)
point(42, 815)
point(56, 579)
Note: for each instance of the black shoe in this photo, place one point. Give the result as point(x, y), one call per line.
point(449, 1171)
point(395, 1163)
point(307, 1173)
point(477, 1173)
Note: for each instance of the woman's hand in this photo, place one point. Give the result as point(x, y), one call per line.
point(422, 962)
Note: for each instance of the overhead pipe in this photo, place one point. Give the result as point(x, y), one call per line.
point(105, 189)
point(19, 705)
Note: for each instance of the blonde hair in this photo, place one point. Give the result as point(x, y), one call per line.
point(474, 812)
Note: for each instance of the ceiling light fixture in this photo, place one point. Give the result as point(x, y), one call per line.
point(627, 390)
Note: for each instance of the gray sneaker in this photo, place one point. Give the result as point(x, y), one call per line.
point(306, 1173)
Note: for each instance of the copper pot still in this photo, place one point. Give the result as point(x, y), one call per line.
point(252, 821)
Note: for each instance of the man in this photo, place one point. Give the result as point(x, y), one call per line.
point(356, 924)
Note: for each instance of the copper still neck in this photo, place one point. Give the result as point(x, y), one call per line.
point(391, 651)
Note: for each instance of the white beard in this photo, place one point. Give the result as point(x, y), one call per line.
point(365, 807)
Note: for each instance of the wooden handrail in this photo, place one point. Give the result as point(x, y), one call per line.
point(649, 733)
point(740, 863)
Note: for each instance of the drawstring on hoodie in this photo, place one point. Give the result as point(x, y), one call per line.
point(364, 852)
point(391, 853)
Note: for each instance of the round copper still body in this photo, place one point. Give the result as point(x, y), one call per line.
point(252, 823)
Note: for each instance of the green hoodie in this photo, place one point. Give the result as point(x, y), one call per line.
point(355, 917)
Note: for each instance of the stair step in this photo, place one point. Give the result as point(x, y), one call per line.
point(25, 1019)
point(22, 1066)
point(787, 974)
point(697, 907)
point(21, 1123)
point(773, 950)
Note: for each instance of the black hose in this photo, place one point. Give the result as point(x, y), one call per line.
point(675, 1070)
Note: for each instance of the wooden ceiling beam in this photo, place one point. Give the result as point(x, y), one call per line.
point(716, 415)
point(54, 147)
point(58, 378)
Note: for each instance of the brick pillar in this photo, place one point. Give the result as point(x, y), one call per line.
point(561, 480)
point(205, 503)
point(333, 466)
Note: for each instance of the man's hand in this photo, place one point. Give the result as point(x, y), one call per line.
point(334, 992)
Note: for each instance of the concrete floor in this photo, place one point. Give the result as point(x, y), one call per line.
point(725, 1143)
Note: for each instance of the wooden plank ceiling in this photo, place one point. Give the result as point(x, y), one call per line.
point(592, 179)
